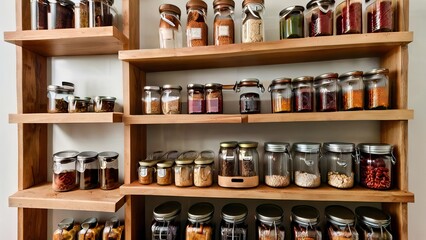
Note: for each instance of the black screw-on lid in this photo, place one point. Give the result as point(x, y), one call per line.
point(200, 212)
point(305, 215)
point(269, 213)
point(373, 216)
point(167, 211)
point(234, 212)
point(340, 215)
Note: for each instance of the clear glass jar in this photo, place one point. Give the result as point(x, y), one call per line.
point(304, 223)
point(199, 226)
point(184, 169)
point(306, 164)
point(165, 173)
point(58, 97)
point(223, 32)
point(82, 13)
point(170, 99)
point(67, 229)
point(90, 229)
point(340, 223)
point(349, 17)
point(170, 29)
point(196, 99)
point(104, 104)
point(269, 222)
point(146, 172)
point(95, 13)
point(376, 84)
point(151, 100)
point(248, 158)
point(61, 14)
point(380, 16)
point(250, 89)
point(214, 98)
point(352, 91)
point(373, 224)
point(253, 27)
point(196, 26)
point(281, 95)
point(228, 159)
point(108, 173)
point(292, 22)
point(87, 170)
point(233, 224)
point(326, 92)
point(113, 230)
point(319, 18)
point(64, 172)
point(375, 165)
point(39, 12)
point(165, 224)
point(277, 160)
point(203, 169)
point(78, 105)
point(303, 94)
point(340, 160)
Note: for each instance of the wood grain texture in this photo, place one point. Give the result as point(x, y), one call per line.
point(32, 224)
point(135, 217)
point(131, 27)
point(62, 118)
point(399, 215)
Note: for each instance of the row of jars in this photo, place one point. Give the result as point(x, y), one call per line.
point(85, 170)
point(56, 14)
point(89, 229)
point(341, 223)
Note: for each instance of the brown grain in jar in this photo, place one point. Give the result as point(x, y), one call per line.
point(164, 173)
point(62, 14)
point(170, 29)
point(196, 27)
point(223, 32)
point(196, 99)
point(281, 95)
point(214, 98)
point(203, 169)
point(39, 10)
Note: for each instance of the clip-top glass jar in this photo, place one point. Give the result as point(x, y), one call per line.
point(165, 224)
point(58, 97)
point(214, 98)
point(108, 174)
point(64, 173)
point(146, 172)
point(281, 95)
point(67, 229)
point(292, 22)
point(196, 99)
point(170, 29)
point(165, 172)
point(223, 32)
point(352, 91)
point(199, 226)
point(39, 11)
point(269, 222)
point(151, 100)
point(203, 169)
point(184, 169)
point(233, 224)
point(376, 84)
point(320, 18)
point(228, 159)
point(196, 27)
point(104, 104)
point(303, 94)
point(113, 229)
point(277, 164)
point(349, 17)
point(170, 99)
point(87, 170)
point(304, 223)
point(253, 29)
point(373, 223)
point(249, 98)
point(326, 92)
point(340, 223)
point(306, 164)
point(90, 229)
point(340, 164)
point(380, 16)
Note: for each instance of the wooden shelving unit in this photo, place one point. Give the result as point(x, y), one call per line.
point(62, 118)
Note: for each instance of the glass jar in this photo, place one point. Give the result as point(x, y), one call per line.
point(78, 105)
point(58, 97)
point(203, 169)
point(223, 32)
point(292, 22)
point(249, 98)
point(113, 230)
point(199, 226)
point(67, 229)
point(151, 100)
point(95, 13)
point(248, 159)
point(170, 29)
point(165, 224)
point(349, 17)
point(146, 172)
point(214, 98)
point(184, 169)
point(104, 104)
point(61, 14)
point(87, 170)
point(196, 99)
point(380, 16)
point(90, 229)
point(375, 165)
point(373, 223)
point(82, 13)
point(108, 174)
point(277, 160)
point(228, 159)
point(303, 94)
point(376, 84)
point(39, 11)
point(164, 173)
point(319, 18)
point(233, 224)
point(170, 99)
point(253, 29)
point(326, 92)
point(340, 164)
point(304, 223)
point(269, 222)
point(340, 223)
point(306, 164)
point(352, 91)
point(196, 27)
point(281, 95)
point(64, 173)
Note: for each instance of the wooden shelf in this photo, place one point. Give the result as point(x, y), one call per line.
point(107, 117)
point(273, 52)
point(69, 42)
point(43, 197)
point(182, 119)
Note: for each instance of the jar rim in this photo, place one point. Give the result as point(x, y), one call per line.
point(340, 215)
point(153, 88)
point(229, 144)
point(304, 214)
point(307, 147)
point(65, 156)
point(339, 147)
point(288, 10)
point(196, 4)
point(195, 86)
point(149, 163)
point(108, 156)
point(169, 8)
point(218, 3)
point(375, 71)
point(165, 164)
point(234, 212)
point(167, 211)
point(87, 156)
point(312, 3)
point(213, 86)
point(347, 75)
point(172, 87)
point(247, 144)
point(375, 148)
point(329, 75)
point(373, 216)
point(245, 2)
point(302, 79)
point(276, 146)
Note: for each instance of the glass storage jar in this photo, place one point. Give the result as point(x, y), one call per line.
point(253, 29)
point(233, 224)
point(228, 159)
point(340, 223)
point(67, 229)
point(303, 94)
point(95, 13)
point(87, 170)
point(151, 100)
point(165, 224)
point(248, 159)
point(281, 95)
point(304, 223)
point(380, 16)
point(64, 172)
point(170, 29)
point(58, 97)
point(277, 164)
point(352, 91)
point(319, 18)
point(376, 84)
point(375, 165)
point(108, 173)
point(250, 89)
point(326, 92)
point(78, 105)
point(340, 164)
point(61, 14)
point(214, 98)
point(349, 17)
point(196, 26)
point(306, 164)
point(90, 229)
point(184, 169)
point(269, 222)
point(170, 99)
point(165, 173)
point(82, 13)
point(203, 169)
point(292, 22)
point(147, 171)
point(199, 226)
point(373, 223)
point(113, 230)
point(196, 99)
point(39, 12)
point(223, 32)
point(104, 104)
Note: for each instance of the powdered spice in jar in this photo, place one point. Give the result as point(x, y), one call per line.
point(170, 29)
point(196, 27)
point(281, 95)
point(253, 26)
point(376, 84)
point(196, 99)
point(223, 32)
point(303, 94)
point(349, 17)
point(319, 18)
point(214, 98)
point(352, 91)
point(380, 16)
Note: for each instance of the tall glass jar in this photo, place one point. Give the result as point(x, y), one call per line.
point(373, 224)
point(165, 172)
point(104, 104)
point(233, 224)
point(39, 12)
point(340, 164)
point(170, 29)
point(170, 99)
point(61, 14)
point(349, 17)
point(228, 159)
point(223, 32)
point(196, 27)
point(151, 100)
point(376, 88)
point(340, 223)
point(292, 22)
point(281, 95)
point(90, 229)
point(277, 164)
point(303, 94)
point(352, 91)
point(196, 99)
point(248, 159)
point(108, 173)
point(203, 169)
point(199, 226)
point(165, 224)
point(306, 164)
point(250, 89)
point(58, 97)
point(305, 223)
point(269, 222)
point(87, 170)
point(253, 29)
point(67, 229)
point(319, 18)
point(380, 16)
point(327, 92)
point(214, 98)
point(64, 172)
point(184, 169)
point(113, 230)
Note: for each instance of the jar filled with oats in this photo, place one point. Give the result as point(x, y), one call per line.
point(214, 98)
point(184, 169)
point(253, 29)
point(306, 164)
point(376, 84)
point(340, 160)
point(203, 169)
point(196, 99)
point(151, 100)
point(171, 100)
point(196, 27)
point(170, 29)
point(223, 32)
point(277, 160)
point(199, 226)
point(352, 91)
point(340, 223)
point(281, 95)
point(305, 223)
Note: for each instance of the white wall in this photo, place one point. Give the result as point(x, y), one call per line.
point(102, 75)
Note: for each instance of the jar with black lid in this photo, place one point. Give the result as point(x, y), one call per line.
point(233, 224)
point(39, 12)
point(269, 222)
point(214, 98)
point(340, 223)
point(87, 170)
point(199, 226)
point(151, 100)
point(224, 27)
point(281, 95)
point(196, 26)
point(64, 171)
point(170, 29)
point(196, 99)
point(171, 100)
point(228, 159)
point(250, 89)
point(352, 91)
point(67, 229)
point(306, 164)
point(108, 173)
point(59, 97)
point(253, 29)
point(305, 223)
point(303, 94)
point(320, 18)
point(61, 14)
point(373, 223)
point(165, 224)
point(376, 84)
point(90, 229)
point(277, 164)
point(340, 160)
point(292, 22)
point(326, 92)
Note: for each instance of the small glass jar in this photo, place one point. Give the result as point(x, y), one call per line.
point(165, 173)
point(184, 169)
point(375, 165)
point(67, 229)
point(250, 89)
point(277, 160)
point(223, 32)
point(170, 29)
point(196, 99)
point(90, 229)
point(281, 95)
point(78, 105)
point(349, 17)
point(253, 28)
point(304, 223)
point(165, 224)
point(87, 170)
point(303, 94)
point(203, 169)
point(170, 99)
point(108, 174)
point(380, 16)
point(233, 224)
point(39, 12)
point(306, 164)
point(199, 226)
point(269, 222)
point(151, 100)
point(292, 22)
point(327, 92)
point(228, 159)
point(373, 223)
point(376, 84)
point(82, 13)
point(113, 230)
point(352, 91)
point(196, 27)
point(248, 158)
point(96, 13)
point(319, 18)
point(58, 97)
point(340, 164)
point(340, 223)
point(214, 98)
point(61, 14)
point(104, 104)
point(146, 172)
point(64, 173)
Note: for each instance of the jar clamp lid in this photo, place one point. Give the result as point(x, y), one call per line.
point(200, 212)
point(339, 147)
point(165, 164)
point(291, 9)
point(66, 224)
point(216, 86)
point(167, 211)
point(149, 163)
point(65, 156)
point(169, 8)
point(108, 156)
point(248, 82)
point(372, 216)
point(307, 147)
point(303, 79)
point(234, 212)
point(206, 157)
point(172, 87)
point(195, 86)
point(327, 76)
point(314, 3)
point(279, 83)
point(199, 4)
point(348, 76)
point(230, 144)
point(375, 148)
point(187, 157)
point(269, 214)
point(305, 215)
point(340, 215)
point(66, 87)
point(247, 144)
point(87, 156)
point(384, 71)
point(276, 146)
point(152, 88)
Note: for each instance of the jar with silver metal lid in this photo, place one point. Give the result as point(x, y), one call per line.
point(340, 159)
point(340, 223)
point(214, 98)
point(292, 22)
point(281, 95)
point(248, 159)
point(250, 89)
point(165, 224)
point(165, 172)
point(87, 170)
point(108, 173)
point(352, 91)
point(269, 222)
point(326, 92)
point(373, 223)
point(199, 226)
point(58, 97)
point(253, 27)
point(376, 84)
point(104, 104)
point(67, 229)
point(203, 169)
point(170, 29)
point(305, 223)
point(303, 94)
point(171, 100)
point(306, 164)
point(196, 99)
point(228, 159)
point(184, 169)
point(233, 224)
point(113, 230)
point(90, 229)
point(77, 104)
point(64, 171)
point(319, 18)
point(277, 164)
point(39, 13)
point(151, 100)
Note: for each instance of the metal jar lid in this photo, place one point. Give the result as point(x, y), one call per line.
point(307, 147)
point(276, 146)
point(216, 86)
point(350, 75)
point(169, 8)
point(66, 87)
point(305, 215)
point(248, 82)
point(152, 88)
point(279, 83)
point(327, 76)
point(339, 147)
point(303, 79)
point(200, 212)
point(188, 155)
point(291, 9)
point(195, 86)
point(89, 223)
point(234, 212)
point(313, 3)
point(245, 2)
point(340, 215)
point(247, 144)
point(104, 98)
point(231, 144)
point(66, 224)
point(172, 87)
point(87, 156)
point(269, 214)
point(166, 211)
point(220, 3)
point(199, 4)
point(184, 162)
point(149, 163)
point(165, 164)
point(108, 156)
point(375, 148)
point(373, 217)
point(65, 156)
point(383, 71)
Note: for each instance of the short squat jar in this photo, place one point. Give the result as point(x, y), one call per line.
point(376, 84)
point(352, 91)
point(104, 104)
point(340, 161)
point(196, 27)
point(228, 159)
point(78, 105)
point(196, 99)
point(199, 226)
point(305, 223)
point(171, 100)
point(147, 172)
point(303, 94)
point(269, 222)
point(306, 164)
point(108, 170)
point(380, 16)
point(214, 98)
point(165, 224)
point(281, 95)
point(59, 97)
point(39, 13)
point(292, 22)
point(233, 224)
point(349, 17)
point(64, 171)
point(165, 172)
point(326, 92)
point(373, 223)
point(224, 27)
point(87, 170)
point(184, 171)
point(277, 164)
point(203, 169)
point(253, 29)
point(250, 89)
point(151, 100)
point(340, 223)
point(319, 18)
point(170, 29)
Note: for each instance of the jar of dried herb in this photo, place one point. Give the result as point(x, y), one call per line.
point(326, 92)
point(203, 169)
point(78, 105)
point(380, 16)
point(277, 164)
point(349, 17)
point(340, 223)
point(59, 97)
point(373, 223)
point(61, 14)
point(214, 98)
point(196, 99)
point(376, 84)
point(170, 29)
point(305, 223)
point(151, 100)
point(228, 159)
point(196, 27)
point(303, 94)
point(108, 174)
point(64, 171)
point(104, 104)
point(248, 158)
point(223, 32)
point(87, 170)
point(306, 164)
point(253, 29)
point(250, 89)
point(352, 91)
point(170, 99)
point(292, 22)
point(320, 18)
point(233, 224)
point(39, 13)
point(269, 222)
point(281, 95)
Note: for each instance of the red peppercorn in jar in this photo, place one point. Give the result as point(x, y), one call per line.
point(319, 18)
point(303, 94)
point(380, 16)
point(349, 17)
